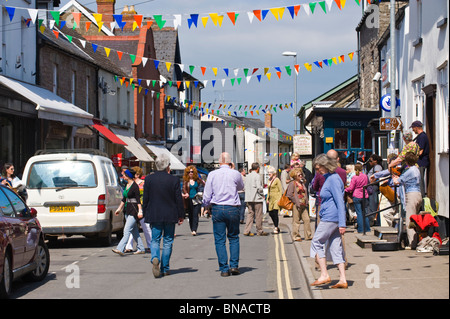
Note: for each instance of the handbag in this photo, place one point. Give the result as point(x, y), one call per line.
point(285, 202)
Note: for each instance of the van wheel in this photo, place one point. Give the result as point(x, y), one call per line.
point(7, 277)
point(106, 238)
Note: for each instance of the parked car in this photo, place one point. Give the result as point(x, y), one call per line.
point(23, 251)
point(75, 192)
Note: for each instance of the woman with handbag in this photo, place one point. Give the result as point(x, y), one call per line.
point(192, 185)
point(131, 203)
point(275, 191)
point(296, 192)
point(356, 187)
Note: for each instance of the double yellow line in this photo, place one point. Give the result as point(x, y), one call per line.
point(279, 246)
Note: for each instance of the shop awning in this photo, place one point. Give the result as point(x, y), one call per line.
point(132, 145)
point(49, 105)
point(107, 133)
point(175, 164)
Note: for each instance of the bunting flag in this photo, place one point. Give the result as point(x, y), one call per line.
point(287, 69)
point(192, 18)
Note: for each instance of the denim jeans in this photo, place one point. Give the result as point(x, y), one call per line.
point(357, 202)
point(226, 224)
point(167, 232)
point(243, 206)
point(131, 228)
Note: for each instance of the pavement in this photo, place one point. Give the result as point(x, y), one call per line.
point(402, 274)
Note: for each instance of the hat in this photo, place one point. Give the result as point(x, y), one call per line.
point(416, 124)
point(130, 173)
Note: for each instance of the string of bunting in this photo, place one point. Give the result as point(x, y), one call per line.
point(204, 108)
point(248, 72)
point(192, 19)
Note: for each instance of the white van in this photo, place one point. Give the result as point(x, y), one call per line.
point(75, 192)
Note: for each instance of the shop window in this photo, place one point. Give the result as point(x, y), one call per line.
point(341, 138)
point(367, 139)
point(170, 123)
point(355, 139)
point(6, 140)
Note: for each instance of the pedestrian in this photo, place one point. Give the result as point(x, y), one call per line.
point(332, 222)
point(374, 191)
point(410, 146)
point(356, 189)
point(339, 170)
point(317, 184)
point(145, 226)
point(410, 179)
point(306, 173)
point(131, 204)
point(122, 181)
point(221, 192)
point(242, 198)
point(163, 209)
point(254, 197)
point(295, 158)
point(192, 185)
point(350, 169)
point(285, 179)
point(274, 193)
point(297, 193)
point(387, 198)
point(9, 177)
point(424, 155)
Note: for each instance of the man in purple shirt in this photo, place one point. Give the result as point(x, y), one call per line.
point(221, 192)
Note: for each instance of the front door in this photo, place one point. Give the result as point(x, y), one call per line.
point(430, 130)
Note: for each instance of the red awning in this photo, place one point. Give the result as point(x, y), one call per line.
point(107, 133)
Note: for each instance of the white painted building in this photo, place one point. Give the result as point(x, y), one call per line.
point(18, 55)
point(422, 81)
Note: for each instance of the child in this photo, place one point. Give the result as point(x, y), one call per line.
point(295, 158)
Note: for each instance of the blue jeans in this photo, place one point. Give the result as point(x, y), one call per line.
point(357, 202)
point(226, 224)
point(242, 208)
point(167, 232)
point(131, 228)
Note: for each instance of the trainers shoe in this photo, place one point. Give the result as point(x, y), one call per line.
point(249, 234)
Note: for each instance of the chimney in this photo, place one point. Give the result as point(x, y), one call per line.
point(128, 16)
point(268, 120)
point(106, 8)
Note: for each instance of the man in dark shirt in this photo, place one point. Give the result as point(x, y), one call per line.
point(424, 159)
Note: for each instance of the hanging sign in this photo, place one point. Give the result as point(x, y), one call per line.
point(390, 124)
point(385, 102)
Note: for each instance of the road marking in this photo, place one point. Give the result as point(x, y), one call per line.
point(279, 245)
point(277, 259)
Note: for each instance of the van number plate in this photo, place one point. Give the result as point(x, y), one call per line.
point(62, 209)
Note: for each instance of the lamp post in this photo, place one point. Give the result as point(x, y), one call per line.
point(294, 54)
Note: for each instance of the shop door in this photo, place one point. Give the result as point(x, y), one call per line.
point(430, 106)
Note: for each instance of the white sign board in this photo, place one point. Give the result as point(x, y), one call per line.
point(303, 144)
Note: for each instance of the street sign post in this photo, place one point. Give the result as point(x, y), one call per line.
point(390, 124)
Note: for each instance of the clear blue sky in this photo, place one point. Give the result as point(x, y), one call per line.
point(258, 45)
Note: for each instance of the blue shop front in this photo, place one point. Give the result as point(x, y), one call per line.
point(351, 132)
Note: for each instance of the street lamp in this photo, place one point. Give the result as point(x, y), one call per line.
point(294, 54)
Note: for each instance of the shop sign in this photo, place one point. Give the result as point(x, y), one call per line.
point(390, 124)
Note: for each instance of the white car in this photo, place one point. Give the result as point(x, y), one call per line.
point(75, 192)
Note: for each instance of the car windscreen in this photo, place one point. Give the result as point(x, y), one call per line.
point(62, 174)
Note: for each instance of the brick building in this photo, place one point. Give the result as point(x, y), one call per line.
point(373, 24)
